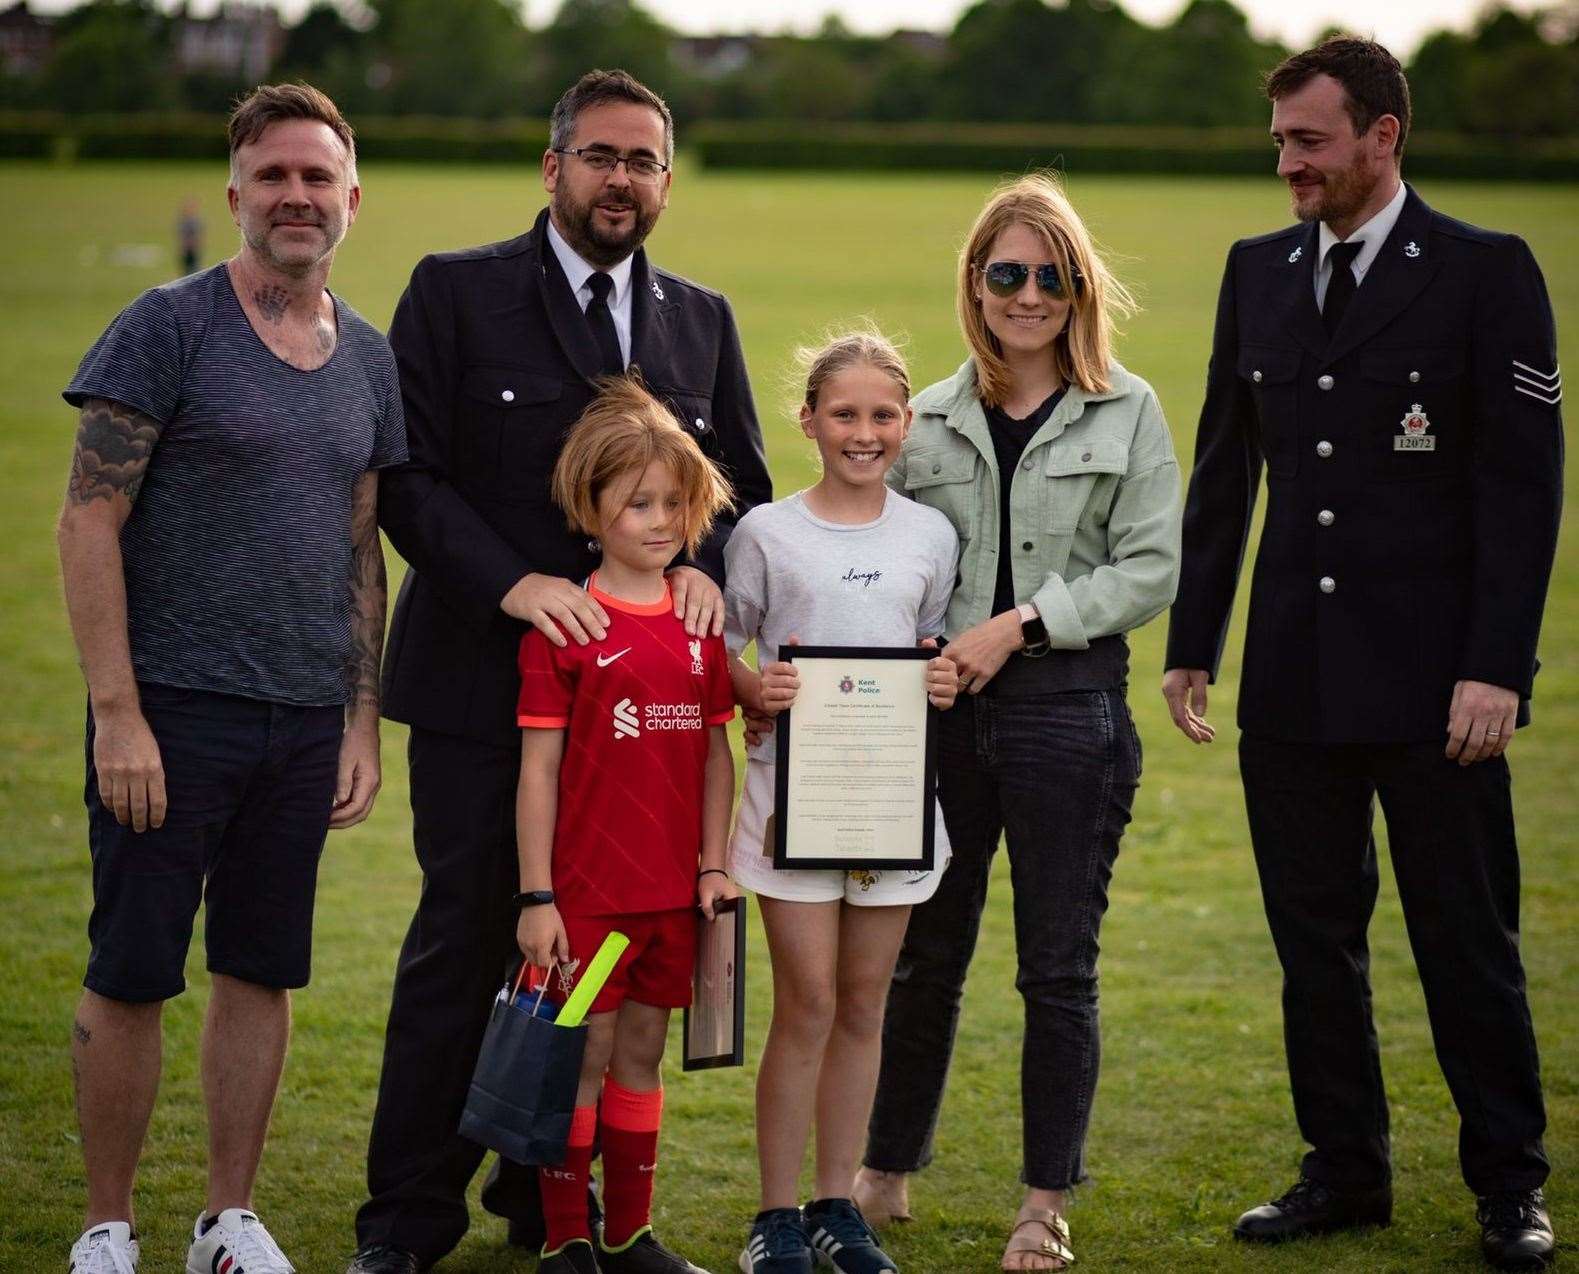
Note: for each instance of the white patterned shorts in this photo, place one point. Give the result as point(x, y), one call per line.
point(751, 860)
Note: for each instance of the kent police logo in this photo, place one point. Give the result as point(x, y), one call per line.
point(847, 686)
point(1414, 436)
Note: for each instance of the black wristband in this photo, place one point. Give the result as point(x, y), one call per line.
point(534, 898)
point(708, 871)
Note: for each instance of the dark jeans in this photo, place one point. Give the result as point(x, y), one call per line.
point(1450, 831)
point(1055, 774)
point(456, 953)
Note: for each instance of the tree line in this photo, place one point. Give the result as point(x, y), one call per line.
point(1081, 61)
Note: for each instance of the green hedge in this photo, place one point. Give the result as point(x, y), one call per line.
point(996, 148)
point(1008, 148)
point(159, 136)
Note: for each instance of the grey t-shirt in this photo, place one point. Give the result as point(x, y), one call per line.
point(881, 583)
point(238, 550)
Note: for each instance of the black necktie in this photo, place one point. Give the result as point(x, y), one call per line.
point(601, 321)
point(1340, 287)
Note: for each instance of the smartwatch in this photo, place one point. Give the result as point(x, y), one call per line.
point(534, 898)
point(1032, 631)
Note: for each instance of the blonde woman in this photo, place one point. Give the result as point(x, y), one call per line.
point(1055, 467)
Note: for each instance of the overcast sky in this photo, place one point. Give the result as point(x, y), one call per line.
point(1399, 24)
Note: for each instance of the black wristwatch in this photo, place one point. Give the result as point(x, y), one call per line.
point(1032, 631)
point(534, 898)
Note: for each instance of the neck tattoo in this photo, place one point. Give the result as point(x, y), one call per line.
point(271, 300)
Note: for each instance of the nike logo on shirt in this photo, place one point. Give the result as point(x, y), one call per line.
point(605, 660)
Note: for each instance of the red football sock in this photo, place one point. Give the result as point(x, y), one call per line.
point(565, 1185)
point(630, 1159)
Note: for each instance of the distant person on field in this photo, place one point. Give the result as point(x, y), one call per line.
point(219, 546)
point(1395, 373)
point(500, 350)
point(189, 236)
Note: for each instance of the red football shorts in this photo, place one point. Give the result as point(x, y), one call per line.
point(655, 969)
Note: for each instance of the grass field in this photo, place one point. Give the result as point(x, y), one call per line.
point(1193, 1119)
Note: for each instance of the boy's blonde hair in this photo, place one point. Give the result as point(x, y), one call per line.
point(861, 345)
point(622, 431)
point(1081, 352)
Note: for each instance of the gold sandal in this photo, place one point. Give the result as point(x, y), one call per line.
point(1055, 1246)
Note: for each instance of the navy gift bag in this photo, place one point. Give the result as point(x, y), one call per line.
point(523, 1092)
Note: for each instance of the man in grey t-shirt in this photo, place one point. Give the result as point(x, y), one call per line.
point(225, 583)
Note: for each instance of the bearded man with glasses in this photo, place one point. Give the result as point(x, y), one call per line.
point(499, 349)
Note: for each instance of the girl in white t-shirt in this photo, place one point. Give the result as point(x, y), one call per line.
point(846, 562)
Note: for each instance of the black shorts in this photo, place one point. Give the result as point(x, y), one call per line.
point(250, 786)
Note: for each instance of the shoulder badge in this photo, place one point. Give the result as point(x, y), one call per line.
point(1296, 254)
point(656, 290)
point(1411, 249)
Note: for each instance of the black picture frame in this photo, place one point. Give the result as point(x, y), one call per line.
point(731, 912)
point(784, 725)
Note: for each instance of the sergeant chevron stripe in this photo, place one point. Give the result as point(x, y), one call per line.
point(1546, 387)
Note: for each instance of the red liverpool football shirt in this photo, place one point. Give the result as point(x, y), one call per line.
point(636, 708)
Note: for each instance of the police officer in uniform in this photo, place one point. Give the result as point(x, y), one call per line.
point(1395, 372)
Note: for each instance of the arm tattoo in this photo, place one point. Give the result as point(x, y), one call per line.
point(81, 1033)
point(114, 443)
point(271, 301)
point(368, 595)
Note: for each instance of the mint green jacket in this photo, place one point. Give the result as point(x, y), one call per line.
point(1094, 508)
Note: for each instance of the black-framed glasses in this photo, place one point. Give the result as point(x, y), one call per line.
point(643, 169)
point(1005, 278)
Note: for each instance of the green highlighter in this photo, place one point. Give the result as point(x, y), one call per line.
point(574, 1009)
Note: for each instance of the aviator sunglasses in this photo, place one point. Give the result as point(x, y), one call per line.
point(1005, 278)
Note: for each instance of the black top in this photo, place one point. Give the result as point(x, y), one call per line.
point(1414, 481)
point(1009, 437)
point(496, 363)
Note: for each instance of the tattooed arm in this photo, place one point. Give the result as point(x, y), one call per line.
point(359, 760)
point(114, 443)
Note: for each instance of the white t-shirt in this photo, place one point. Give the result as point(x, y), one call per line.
point(881, 583)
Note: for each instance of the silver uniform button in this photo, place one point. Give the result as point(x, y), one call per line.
point(1414, 378)
point(1324, 382)
point(700, 424)
point(1256, 375)
point(1326, 517)
point(1323, 448)
point(508, 395)
point(1327, 584)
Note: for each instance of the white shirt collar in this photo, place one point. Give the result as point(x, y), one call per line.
point(1370, 236)
point(578, 271)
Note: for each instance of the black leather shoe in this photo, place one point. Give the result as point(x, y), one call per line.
point(380, 1258)
point(575, 1257)
point(1515, 1232)
point(1311, 1208)
point(644, 1255)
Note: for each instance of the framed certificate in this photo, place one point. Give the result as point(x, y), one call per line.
point(715, 1021)
point(857, 760)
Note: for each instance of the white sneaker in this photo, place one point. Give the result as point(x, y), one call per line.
point(105, 1249)
point(236, 1243)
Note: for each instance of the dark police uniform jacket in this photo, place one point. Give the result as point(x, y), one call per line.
point(496, 363)
point(1414, 482)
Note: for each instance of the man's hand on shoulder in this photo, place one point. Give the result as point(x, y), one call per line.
point(1480, 721)
point(130, 768)
point(697, 601)
point(360, 774)
point(551, 603)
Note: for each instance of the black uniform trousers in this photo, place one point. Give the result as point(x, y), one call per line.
point(1450, 830)
point(456, 955)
